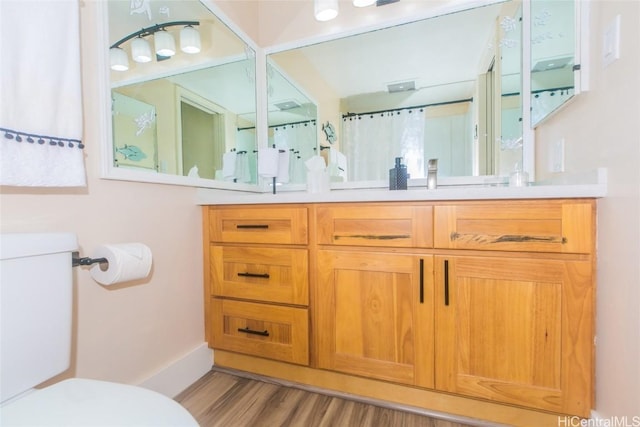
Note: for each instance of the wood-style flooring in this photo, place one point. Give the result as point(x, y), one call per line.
point(231, 399)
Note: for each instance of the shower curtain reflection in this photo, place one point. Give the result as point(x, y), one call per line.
point(371, 141)
point(299, 140)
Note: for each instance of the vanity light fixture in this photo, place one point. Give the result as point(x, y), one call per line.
point(165, 45)
point(325, 10)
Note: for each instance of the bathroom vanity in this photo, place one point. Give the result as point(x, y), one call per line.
point(482, 308)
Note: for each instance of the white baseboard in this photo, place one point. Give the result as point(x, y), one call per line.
point(183, 372)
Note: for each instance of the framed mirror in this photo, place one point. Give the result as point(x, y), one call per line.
point(555, 60)
point(446, 87)
point(194, 121)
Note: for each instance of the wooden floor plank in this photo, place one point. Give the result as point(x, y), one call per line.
point(221, 399)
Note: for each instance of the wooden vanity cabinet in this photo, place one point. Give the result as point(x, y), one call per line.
point(465, 303)
point(257, 281)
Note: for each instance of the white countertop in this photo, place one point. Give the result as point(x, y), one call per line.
point(592, 186)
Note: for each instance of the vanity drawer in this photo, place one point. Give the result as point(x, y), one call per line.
point(247, 224)
point(264, 274)
point(271, 331)
point(368, 224)
point(538, 226)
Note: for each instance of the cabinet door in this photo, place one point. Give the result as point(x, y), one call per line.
point(516, 331)
point(375, 315)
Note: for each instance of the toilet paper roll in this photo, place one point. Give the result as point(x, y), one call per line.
point(127, 261)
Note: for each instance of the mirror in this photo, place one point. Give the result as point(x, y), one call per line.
point(292, 119)
point(426, 89)
point(553, 42)
point(508, 120)
point(189, 115)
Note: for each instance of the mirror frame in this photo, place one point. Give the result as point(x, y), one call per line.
point(108, 170)
point(528, 151)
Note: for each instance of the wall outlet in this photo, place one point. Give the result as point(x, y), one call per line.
point(556, 156)
point(611, 42)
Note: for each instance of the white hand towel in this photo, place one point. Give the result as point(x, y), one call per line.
point(246, 168)
point(40, 94)
point(283, 167)
point(229, 165)
point(268, 162)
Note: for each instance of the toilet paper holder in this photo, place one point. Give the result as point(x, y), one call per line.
point(76, 261)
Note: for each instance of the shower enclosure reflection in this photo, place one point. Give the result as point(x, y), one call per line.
point(292, 119)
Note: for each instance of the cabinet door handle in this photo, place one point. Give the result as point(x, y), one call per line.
point(421, 281)
point(258, 275)
point(264, 333)
point(252, 225)
point(446, 282)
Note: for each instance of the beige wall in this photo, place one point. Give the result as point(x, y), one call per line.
point(601, 130)
point(123, 334)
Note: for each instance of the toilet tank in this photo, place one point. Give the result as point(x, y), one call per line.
point(36, 280)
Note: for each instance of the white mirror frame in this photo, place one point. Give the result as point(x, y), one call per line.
point(108, 170)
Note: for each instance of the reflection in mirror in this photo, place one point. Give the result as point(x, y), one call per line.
point(552, 56)
point(509, 142)
point(292, 118)
point(190, 114)
point(421, 90)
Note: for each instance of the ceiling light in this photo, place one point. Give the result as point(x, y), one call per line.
point(118, 59)
point(363, 3)
point(325, 10)
point(140, 50)
point(189, 40)
point(165, 44)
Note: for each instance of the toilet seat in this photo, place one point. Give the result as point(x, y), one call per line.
point(82, 402)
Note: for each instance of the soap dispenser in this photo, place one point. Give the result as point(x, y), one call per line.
point(398, 176)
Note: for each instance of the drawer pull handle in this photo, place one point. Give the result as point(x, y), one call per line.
point(264, 333)
point(446, 282)
point(373, 237)
point(240, 226)
point(505, 238)
point(421, 281)
point(261, 276)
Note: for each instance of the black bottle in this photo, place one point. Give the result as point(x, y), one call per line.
point(398, 176)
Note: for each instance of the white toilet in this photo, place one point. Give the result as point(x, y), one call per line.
point(36, 306)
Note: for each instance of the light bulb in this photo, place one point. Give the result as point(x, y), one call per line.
point(325, 10)
point(165, 44)
point(118, 59)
